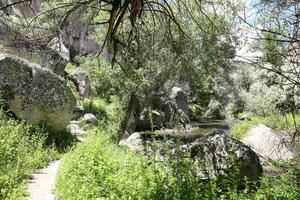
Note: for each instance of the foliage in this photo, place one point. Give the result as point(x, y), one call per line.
point(22, 150)
point(96, 106)
point(262, 99)
point(105, 79)
point(271, 48)
point(100, 169)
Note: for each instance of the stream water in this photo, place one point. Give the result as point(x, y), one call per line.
point(206, 127)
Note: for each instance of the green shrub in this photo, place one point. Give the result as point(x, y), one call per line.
point(99, 169)
point(96, 106)
point(22, 150)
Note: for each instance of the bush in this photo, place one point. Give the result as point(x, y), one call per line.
point(96, 106)
point(22, 150)
point(99, 169)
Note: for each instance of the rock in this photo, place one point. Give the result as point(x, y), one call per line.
point(181, 99)
point(50, 56)
point(217, 155)
point(75, 34)
point(78, 112)
point(267, 143)
point(59, 63)
point(134, 142)
point(27, 8)
point(178, 105)
point(90, 119)
point(76, 130)
point(82, 83)
point(34, 94)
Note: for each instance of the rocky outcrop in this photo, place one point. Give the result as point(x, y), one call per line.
point(180, 98)
point(76, 35)
point(61, 58)
point(176, 106)
point(167, 109)
point(83, 84)
point(217, 155)
point(53, 56)
point(34, 94)
point(267, 143)
point(26, 8)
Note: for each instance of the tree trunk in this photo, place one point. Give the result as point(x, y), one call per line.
point(132, 108)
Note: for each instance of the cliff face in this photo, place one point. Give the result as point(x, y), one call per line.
point(28, 9)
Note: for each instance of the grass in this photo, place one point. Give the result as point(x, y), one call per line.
point(96, 106)
point(275, 122)
point(23, 149)
point(99, 169)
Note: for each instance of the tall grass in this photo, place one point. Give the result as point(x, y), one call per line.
point(23, 148)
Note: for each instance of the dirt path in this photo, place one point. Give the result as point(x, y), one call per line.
point(42, 185)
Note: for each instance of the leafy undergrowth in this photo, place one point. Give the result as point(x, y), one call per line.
point(100, 169)
point(23, 149)
point(275, 122)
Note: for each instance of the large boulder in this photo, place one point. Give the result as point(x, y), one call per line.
point(134, 142)
point(53, 56)
point(177, 106)
point(217, 155)
point(83, 84)
point(76, 34)
point(180, 98)
point(267, 143)
point(34, 94)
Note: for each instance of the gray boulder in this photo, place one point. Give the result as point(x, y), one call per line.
point(75, 34)
point(217, 155)
point(82, 83)
point(267, 143)
point(134, 142)
point(178, 105)
point(90, 119)
point(75, 130)
point(54, 56)
point(78, 112)
point(34, 94)
point(180, 98)
point(60, 58)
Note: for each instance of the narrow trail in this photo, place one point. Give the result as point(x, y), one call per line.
point(42, 184)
